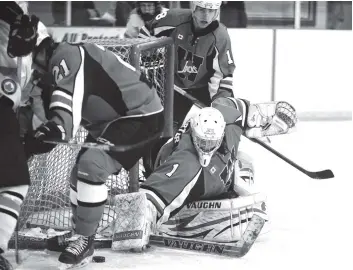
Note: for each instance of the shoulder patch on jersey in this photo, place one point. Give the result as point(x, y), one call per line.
point(8, 86)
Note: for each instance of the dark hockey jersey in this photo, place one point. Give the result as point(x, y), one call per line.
point(94, 87)
point(178, 166)
point(203, 59)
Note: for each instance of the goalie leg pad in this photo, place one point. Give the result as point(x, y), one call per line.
point(217, 221)
point(135, 220)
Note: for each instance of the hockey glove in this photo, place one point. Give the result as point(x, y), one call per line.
point(270, 118)
point(23, 36)
point(49, 131)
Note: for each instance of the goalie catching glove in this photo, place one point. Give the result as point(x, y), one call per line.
point(269, 119)
point(49, 131)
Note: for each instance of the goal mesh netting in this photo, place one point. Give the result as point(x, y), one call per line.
point(47, 203)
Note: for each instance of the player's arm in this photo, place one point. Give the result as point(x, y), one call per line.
point(234, 111)
point(133, 26)
point(221, 79)
point(161, 26)
point(66, 100)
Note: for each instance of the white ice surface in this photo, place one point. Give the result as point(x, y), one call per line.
point(311, 219)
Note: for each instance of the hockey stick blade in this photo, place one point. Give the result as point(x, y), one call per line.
point(326, 174)
point(320, 175)
point(237, 250)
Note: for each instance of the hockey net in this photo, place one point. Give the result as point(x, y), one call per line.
point(47, 204)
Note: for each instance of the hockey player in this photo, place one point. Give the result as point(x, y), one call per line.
point(95, 88)
point(143, 13)
point(204, 63)
point(199, 164)
point(18, 36)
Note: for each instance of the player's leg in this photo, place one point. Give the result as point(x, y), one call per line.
point(245, 185)
point(160, 196)
point(11, 199)
point(244, 174)
point(88, 195)
point(14, 176)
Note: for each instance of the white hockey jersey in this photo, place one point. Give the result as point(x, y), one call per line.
point(15, 73)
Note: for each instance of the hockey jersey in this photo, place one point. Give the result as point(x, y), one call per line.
point(93, 87)
point(203, 58)
point(14, 72)
point(178, 172)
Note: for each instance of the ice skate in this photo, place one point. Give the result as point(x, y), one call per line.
point(78, 253)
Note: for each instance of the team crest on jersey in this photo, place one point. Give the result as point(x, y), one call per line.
point(188, 64)
point(8, 86)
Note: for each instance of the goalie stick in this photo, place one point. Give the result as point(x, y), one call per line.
point(325, 174)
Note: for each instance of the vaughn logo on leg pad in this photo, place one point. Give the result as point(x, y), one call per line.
point(197, 246)
point(204, 205)
point(127, 235)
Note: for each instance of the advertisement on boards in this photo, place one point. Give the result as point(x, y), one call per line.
point(82, 34)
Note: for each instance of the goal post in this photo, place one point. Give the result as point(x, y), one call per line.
point(47, 204)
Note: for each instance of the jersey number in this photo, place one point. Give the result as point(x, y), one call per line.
point(175, 167)
point(60, 71)
point(161, 15)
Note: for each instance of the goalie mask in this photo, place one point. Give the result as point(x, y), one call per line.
point(207, 131)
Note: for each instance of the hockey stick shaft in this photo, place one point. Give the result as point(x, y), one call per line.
point(325, 174)
point(104, 147)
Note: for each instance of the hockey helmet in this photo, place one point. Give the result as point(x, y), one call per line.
point(207, 131)
point(201, 18)
point(42, 54)
point(207, 4)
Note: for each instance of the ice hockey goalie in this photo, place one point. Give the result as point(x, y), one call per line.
point(202, 187)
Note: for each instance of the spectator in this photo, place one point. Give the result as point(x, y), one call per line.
point(118, 13)
point(84, 13)
point(233, 14)
point(144, 12)
point(335, 14)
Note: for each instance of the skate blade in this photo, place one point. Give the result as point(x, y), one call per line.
point(83, 263)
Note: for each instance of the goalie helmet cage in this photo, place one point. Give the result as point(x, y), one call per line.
point(47, 204)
